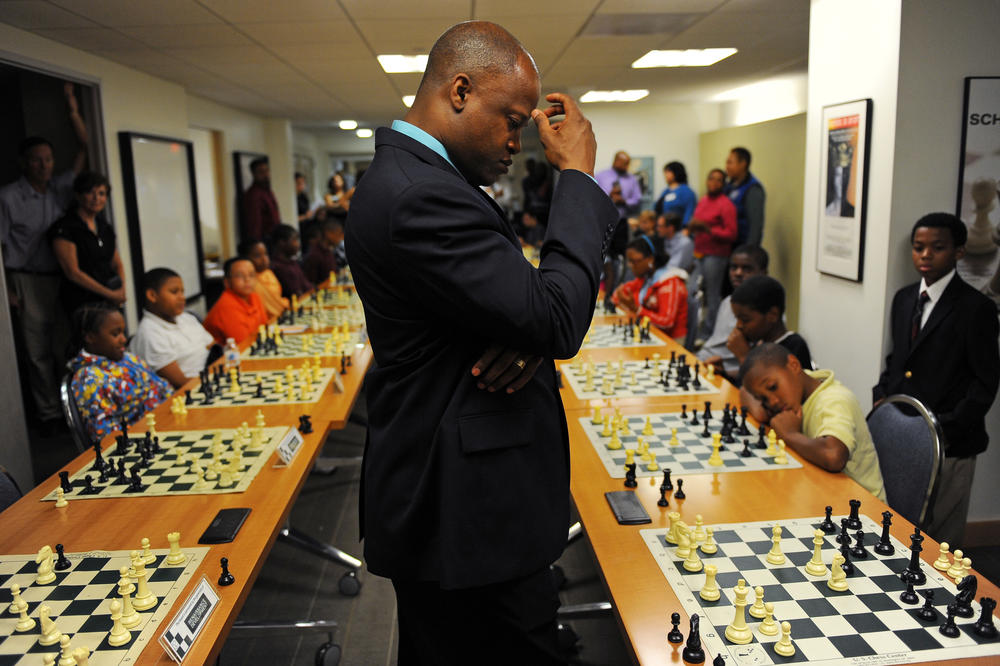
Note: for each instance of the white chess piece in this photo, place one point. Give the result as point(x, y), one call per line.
point(757, 610)
point(838, 579)
point(710, 590)
point(784, 645)
point(738, 632)
point(119, 634)
point(815, 566)
point(768, 627)
point(176, 555)
point(775, 556)
point(943, 563)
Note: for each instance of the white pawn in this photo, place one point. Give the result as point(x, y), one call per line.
point(24, 623)
point(175, 556)
point(699, 529)
point(49, 659)
point(61, 498)
point(966, 568)
point(838, 579)
point(50, 633)
point(757, 610)
point(119, 634)
point(943, 563)
point(66, 651)
point(768, 627)
point(784, 645)
point(82, 656)
point(647, 429)
point(815, 566)
point(775, 556)
point(956, 565)
point(147, 554)
point(673, 437)
point(17, 604)
point(781, 458)
point(693, 562)
point(709, 547)
point(710, 590)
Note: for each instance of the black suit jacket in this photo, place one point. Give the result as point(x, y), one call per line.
point(459, 485)
point(952, 366)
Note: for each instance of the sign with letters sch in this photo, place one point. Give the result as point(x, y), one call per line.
point(180, 635)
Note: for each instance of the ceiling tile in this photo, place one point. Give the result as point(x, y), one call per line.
point(89, 39)
point(262, 11)
point(35, 14)
point(340, 35)
point(223, 55)
point(188, 36)
point(492, 10)
point(140, 12)
point(452, 11)
point(406, 36)
point(658, 6)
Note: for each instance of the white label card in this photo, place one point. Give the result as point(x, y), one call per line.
point(178, 638)
point(289, 445)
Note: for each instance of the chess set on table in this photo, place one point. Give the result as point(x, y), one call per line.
point(651, 378)
point(273, 344)
point(816, 598)
point(258, 388)
point(105, 607)
point(620, 334)
point(682, 442)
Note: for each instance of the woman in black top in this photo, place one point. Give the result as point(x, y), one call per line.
point(84, 245)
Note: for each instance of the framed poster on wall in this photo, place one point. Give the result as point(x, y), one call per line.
point(844, 152)
point(978, 177)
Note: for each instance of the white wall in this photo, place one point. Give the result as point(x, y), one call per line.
point(843, 319)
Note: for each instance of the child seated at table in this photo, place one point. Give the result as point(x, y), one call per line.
point(239, 312)
point(267, 285)
point(170, 340)
point(658, 291)
point(759, 307)
point(327, 254)
point(284, 264)
point(109, 384)
point(816, 416)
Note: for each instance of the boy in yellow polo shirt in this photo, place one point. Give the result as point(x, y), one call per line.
point(817, 416)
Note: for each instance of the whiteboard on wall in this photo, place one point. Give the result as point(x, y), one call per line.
point(162, 207)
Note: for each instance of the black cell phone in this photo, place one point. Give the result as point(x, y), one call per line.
point(225, 526)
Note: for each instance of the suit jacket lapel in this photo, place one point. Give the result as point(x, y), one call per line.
point(942, 309)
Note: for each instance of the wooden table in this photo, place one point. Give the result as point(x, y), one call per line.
point(642, 597)
point(119, 524)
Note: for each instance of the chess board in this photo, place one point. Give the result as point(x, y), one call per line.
point(867, 624)
point(690, 456)
point(602, 336)
point(646, 381)
point(327, 316)
point(79, 601)
point(247, 396)
point(169, 472)
point(306, 345)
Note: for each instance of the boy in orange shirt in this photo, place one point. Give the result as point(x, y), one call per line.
point(267, 286)
point(239, 311)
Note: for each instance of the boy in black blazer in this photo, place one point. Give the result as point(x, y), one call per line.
point(944, 353)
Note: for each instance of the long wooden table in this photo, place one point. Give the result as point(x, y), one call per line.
point(119, 524)
point(640, 594)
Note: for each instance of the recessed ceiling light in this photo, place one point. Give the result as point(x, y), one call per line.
point(682, 58)
point(364, 133)
point(613, 95)
point(348, 124)
point(399, 64)
point(408, 100)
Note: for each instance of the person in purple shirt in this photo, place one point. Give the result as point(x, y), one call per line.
point(284, 265)
point(625, 193)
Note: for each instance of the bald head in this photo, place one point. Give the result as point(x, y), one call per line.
point(475, 48)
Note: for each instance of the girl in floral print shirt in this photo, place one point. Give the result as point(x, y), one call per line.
point(109, 384)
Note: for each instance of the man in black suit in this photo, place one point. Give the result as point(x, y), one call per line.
point(465, 481)
point(944, 353)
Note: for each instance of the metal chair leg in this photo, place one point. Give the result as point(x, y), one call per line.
point(597, 609)
point(349, 584)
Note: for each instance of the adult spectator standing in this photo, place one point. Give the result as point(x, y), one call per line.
point(625, 193)
point(84, 245)
point(677, 245)
point(28, 206)
point(260, 207)
point(477, 451)
point(677, 197)
point(714, 227)
point(302, 205)
point(747, 194)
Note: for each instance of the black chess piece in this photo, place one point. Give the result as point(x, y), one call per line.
point(675, 635)
point(106, 473)
point(667, 484)
point(760, 444)
point(88, 486)
point(305, 425)
point(62, 562)
point(343, 364)
point(853, 521)
point(845, 551)
point(693, 652)
point(135, 481)
point(630, 481)
point(65, 483)
point(694, 417)
point(680, 490)
point(746, 452)
point(828, 525)
point(948, 628)
point(927, 612)
point(727, 435)
point(843, 537)
point(646, 365)
point(155, 448)
point(859, 552)
point(884, 545)
point(226, 578)
point(259, 393)
point(743, 430)
point(705, 432)
point(697, 384)
point(719, 660)
point(684, 411)
point(124, 429)
point(966, 593)
point(99, 463)
point(984, 625)
point(188, 400)
point(908, 596)
point(913, 573)
point(121, 477)
point(707, 414)
point(665, 379)
point(663, 498)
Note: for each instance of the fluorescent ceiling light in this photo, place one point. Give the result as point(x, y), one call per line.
point(400, 64)
point(613, 95)
point(408, 100)
point(682, 58)
point(364, 133)
point(348, 124)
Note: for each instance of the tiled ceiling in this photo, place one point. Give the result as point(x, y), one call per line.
point(314, 60)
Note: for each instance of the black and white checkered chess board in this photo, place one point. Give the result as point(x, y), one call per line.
point(607, 336)
point(629, 379)
point(265, 379)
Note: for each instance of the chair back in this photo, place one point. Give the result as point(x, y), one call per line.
point(9, 492)
point(907, 439)
point(72, 414)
